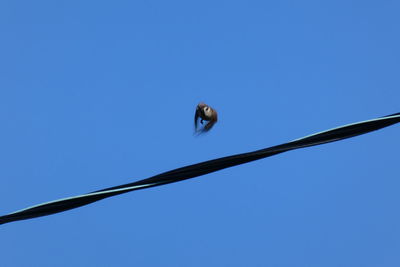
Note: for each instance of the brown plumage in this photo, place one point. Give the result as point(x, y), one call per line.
point(205, 113)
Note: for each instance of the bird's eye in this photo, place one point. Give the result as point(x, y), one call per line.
point(206, 108)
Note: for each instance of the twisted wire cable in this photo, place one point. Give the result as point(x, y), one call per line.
point(202, 168)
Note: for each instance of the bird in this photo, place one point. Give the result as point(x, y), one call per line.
point(205, 113)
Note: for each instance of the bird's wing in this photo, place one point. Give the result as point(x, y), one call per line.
point(196, 118)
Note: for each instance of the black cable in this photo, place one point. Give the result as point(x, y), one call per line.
point(202, 168)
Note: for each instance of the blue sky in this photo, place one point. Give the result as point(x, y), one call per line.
point(102, 93)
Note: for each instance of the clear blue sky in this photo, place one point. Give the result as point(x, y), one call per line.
point(102, 93)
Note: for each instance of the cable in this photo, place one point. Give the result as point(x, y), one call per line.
point(202, 168)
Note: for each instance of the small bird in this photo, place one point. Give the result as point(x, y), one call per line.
point(205, 113)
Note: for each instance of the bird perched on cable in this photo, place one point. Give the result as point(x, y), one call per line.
point(205, 113)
